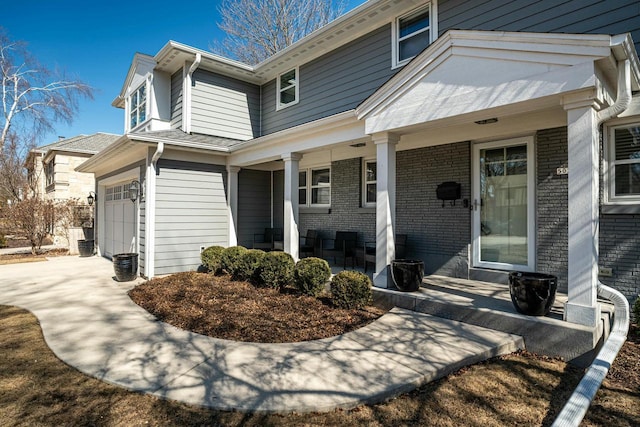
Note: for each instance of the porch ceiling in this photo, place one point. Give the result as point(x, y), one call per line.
point(468, 76)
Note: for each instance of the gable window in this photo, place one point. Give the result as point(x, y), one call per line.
point(369, 180)
point(624, 163)
point(138, 107)
point(412, 33)
point(314, 187)
point(288, 89)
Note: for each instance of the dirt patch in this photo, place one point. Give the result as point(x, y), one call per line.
point(29, 257)
point(219, 307)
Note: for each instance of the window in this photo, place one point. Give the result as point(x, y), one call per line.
point(288, 89)
point(624, 163)
point(412, 33)
point(369, 179)
point(314, 187)
point(49, 171)
point(138, 107)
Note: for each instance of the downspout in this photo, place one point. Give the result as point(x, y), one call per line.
point(187, 93)
point(578, 404)
point(150, 213)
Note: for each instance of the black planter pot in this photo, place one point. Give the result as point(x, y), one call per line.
point(532, 293)
point(407, 274)
point(125, 267)
point(85, 247)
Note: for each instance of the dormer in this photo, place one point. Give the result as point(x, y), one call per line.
point(145, 96)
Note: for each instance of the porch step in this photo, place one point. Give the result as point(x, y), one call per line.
point(489, 305)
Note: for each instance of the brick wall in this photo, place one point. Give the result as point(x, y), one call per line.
point(437, 235)
point(552, 204)
point(345, 214)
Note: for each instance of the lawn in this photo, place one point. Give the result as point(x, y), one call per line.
point(518, 389)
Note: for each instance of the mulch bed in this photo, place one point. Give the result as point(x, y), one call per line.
point(220, 307)
point(29, 257)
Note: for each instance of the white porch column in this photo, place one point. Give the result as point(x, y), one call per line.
point(582, 307)
point(232, 203)
point(385, 206)
point(291, 232)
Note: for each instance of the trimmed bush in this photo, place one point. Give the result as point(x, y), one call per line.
point(351, 289)
point(636, 310)
point(310, 276)
point(212, 258)
point(3, 241)
point(231, 257)
point(277, 269)
point(250, 265)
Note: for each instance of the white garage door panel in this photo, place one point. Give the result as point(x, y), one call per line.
point(119, 221)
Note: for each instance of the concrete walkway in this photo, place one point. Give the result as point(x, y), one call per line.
point(90, 323)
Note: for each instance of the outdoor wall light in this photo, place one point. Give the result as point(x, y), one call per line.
point(135, 190)
point(92, 198)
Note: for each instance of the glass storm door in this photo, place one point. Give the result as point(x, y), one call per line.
point(504, 213)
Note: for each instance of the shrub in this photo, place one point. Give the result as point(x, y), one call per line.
point(277, 269)
point(636, 310)
point(310, 275)
point(212, 258)
point(351, 289)
point(3, 241)
point(231, 259)
point(250, 265)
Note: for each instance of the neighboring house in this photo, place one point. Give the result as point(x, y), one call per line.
point(52, 174)
point(355, 126)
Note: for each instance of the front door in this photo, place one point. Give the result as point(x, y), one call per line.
point(504, 211)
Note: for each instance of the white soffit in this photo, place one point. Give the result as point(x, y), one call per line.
point(469, 71)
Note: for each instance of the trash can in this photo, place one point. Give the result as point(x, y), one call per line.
point(85, 247)
point(125, 266)
point(532, 293)
point(407, 274)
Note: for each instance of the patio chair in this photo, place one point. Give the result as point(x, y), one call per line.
point(310, 244)
point(344, 245)
point(369, 250)
point(271, 239)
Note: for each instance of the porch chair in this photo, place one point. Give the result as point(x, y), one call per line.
point(344, 245)
point(310, 244)
point(270, 240)
point(369, 250)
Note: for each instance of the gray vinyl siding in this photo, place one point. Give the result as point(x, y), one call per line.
point(573, 16)
point(176, 100)
point(278, 199)
point(191, 212)
point(223, 106)
point(254, 204)
point(336, 82)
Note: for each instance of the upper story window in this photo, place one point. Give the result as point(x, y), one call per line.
point(623, 158)
point(49, 172)
point(314, 187)
point(288, 89)
point(369, 181)
point(412, 33)
point(138, 106)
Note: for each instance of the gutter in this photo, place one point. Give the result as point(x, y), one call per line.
point(186, 101)
point(150, 213)
point(623, 98)
point(578, 404)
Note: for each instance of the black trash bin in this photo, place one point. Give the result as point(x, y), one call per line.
point(125, 266)
point(85, 247)
point(532, 293)
point(407, 274)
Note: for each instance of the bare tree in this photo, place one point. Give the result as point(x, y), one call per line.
point(34, 98)
point(13, 177)
point(256, 29)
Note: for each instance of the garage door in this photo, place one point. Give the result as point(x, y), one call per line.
point(119, 220)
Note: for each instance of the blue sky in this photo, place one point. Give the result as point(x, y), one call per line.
point(95, 41)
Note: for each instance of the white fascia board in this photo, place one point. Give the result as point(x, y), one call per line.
point(138, 58)
point(104, 154)
point(314, 136)
point(556, 50)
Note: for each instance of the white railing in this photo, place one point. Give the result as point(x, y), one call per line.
point(578, 404)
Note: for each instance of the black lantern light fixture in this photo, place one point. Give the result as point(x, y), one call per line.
point(135, 190)
point(92, 198)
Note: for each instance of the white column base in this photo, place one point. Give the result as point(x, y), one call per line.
point(582, 314)
point(382, 279)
